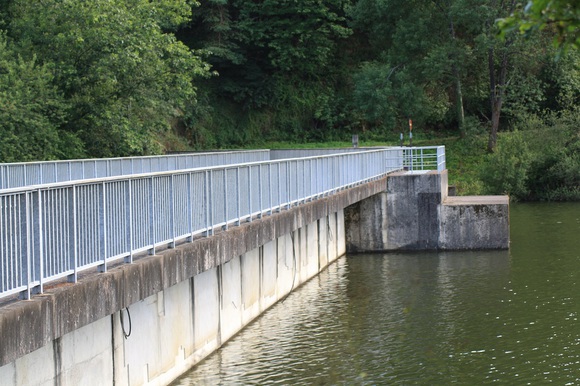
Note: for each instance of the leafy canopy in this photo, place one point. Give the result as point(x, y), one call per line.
point(121, 73)
point(560, 16)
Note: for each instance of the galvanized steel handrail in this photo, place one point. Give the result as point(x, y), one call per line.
point(423, 158)
point(299, 153)
point(48, 232)
point(13, 175)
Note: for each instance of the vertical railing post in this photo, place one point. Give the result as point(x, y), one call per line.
point(304, 181)
point(129, 198)
point(74, 277)
point(151, 216)
point(270, 204)
point(103, 267)
point(238, 194)
point(250, 192)
point(260, 194)
point(208, 203)
point(189, 208)
point(279, 189)
point(172, 206)
point(288, 184)
point(341, 169)
point(225, 198)
point(311, 184)
point(25, 168)
point(28, 246)
point(40, 244)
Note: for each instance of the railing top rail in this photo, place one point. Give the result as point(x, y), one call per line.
point(14, 175)
point(418, 147)
point(124, 177)
point(136, 157)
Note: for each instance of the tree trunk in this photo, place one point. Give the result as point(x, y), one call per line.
point(458, 90)
point(498, 81)
point(495, 113)
point(497, 89)
point(459, 101)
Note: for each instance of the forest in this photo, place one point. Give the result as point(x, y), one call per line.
point(107, 78)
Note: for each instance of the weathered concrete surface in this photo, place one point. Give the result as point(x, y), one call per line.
point(366, 224)
point(475, 222)
point(404, 216)
point(412, 210)
point(415, 213)
point(175, 328)
point(26, 326)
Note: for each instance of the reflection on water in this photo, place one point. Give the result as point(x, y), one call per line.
point(425, 318)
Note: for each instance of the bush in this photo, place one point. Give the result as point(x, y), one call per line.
point(506, 170)
point(541, 161)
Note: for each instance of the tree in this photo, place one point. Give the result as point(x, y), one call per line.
point(386, 97)
point(31, 111)
point(430, 41)
point(504, 58)
point(294, 36)
point(122, 74)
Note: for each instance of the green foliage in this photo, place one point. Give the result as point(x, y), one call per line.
point(255, 47)
point(506, 170)
point(373, 94)
point(431, 46)
point(555, 170)
point(560, 16)
point(541, 161)
point(31, 111)
point(121, 75)
point(293, 35)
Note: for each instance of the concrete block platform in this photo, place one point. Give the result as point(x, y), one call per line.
point(474, 222)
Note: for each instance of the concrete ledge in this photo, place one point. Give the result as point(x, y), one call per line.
point(477, 200)
point(28, 325)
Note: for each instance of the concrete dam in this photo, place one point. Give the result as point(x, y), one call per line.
point(212, 244)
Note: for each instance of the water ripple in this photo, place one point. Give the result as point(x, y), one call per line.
point(461, 318)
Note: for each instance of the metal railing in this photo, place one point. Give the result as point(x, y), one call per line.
point(422, 158)
point(49, 232)
point(299, 153)
point(13, 175)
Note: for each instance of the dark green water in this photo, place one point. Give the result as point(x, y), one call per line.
point(509, 317)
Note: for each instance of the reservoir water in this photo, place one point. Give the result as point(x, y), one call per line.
point(508, 317)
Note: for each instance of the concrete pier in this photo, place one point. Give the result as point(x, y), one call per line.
point(415, 213)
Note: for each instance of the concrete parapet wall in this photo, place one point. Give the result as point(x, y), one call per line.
point(184, 302)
